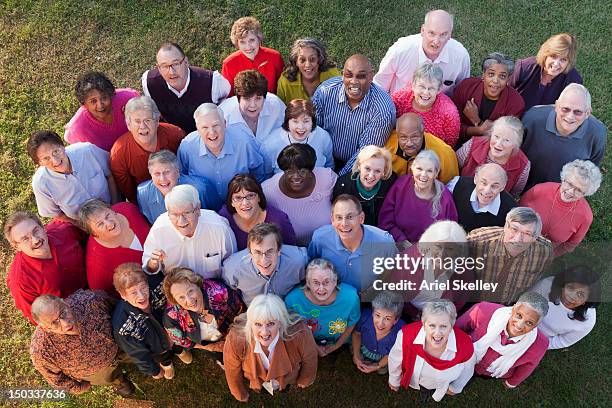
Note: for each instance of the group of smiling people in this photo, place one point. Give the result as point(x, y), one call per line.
point(239, 214)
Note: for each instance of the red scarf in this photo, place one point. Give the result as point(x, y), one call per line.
point(465, 349)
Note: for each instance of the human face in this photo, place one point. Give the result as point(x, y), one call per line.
point(424, 173)
point(574, 295)
point(59, 319)
point(98, 104)
point(105, 224)
point(137, 295)
point(249, 45)
point(265, 254)
point(371, 171)
point(437, 328)
point(308, 63)
point(518, 237)
point(31, 239)
point(555, 64)
point(297, 179)
point(265, 331)
point(436, 33)
point(143, 127)
point(184, 217)
point(523, 319)
point(251, 106)
point(489, 184)
point(346, 220)
point(425, 93)
point(503, 143)
point(571, 110)
point(321, 284)
point(573, 188)
point(300, 127)
point(211, 128)
point(246, 204)
point(164, 176)
point(409, 137)
point(357, 78)
point(495, 80)
point(53, 157)
point(188, 296)
point(173, 67)
point(384, 320)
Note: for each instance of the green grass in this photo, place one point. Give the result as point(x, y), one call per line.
point(46, 45)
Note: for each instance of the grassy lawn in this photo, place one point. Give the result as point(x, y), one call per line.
point(46, 45)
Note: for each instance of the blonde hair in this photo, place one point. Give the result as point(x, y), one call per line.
point(559, 44)
point(377, 152)
point(243, 26)
point(127, 275)
point(180, 275)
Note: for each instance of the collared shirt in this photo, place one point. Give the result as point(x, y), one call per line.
point(265, 359)
point(212, 242)
point(240, 273)
point(290, 90)
point(492, 207)
point(271, 117)
point(240, 154)
point(220, 86)
point(406, 55)
point(354, 268)
point(58, 193)
point(352, 129)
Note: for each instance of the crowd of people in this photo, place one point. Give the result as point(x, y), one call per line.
point(240, 214)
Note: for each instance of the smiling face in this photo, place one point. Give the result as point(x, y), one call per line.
point(573, 188)
point(437, 329)
point(322, 284)
point(347, 221)
point(297, 180)
point(424, 173)
point(137, 295)
point(357, 78)
point(425, 93)
point(184, 217)
point(53, 157)
point(143, 127)
point(31, 239)
point(571, 109)
point(249, 45)
point(59, 318)
point(409, 136)
point(99, 104)
point(308, 63)
point(300, 127)
point(105, 225)
point(164, 176)
point(246, 204)
point(173, 67)
point(265, 254)
point(251, 106)
point(503, 142)
point(371, 171)
point(523, 319)
point(383, 320)
point(555, 64)
point(265, 331)
point(211, 128)
point(489, 183)
point(188, 296)
point(495, 80)
point(574, 294)
point(435, 33)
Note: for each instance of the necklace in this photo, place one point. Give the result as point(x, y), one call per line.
point(561, 218)
point(297, 141)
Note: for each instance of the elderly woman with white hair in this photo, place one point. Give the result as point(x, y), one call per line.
point(565, 212)
point(431, 355)
point(188, 236)
point(425, 98)
point(330, 308)
point(369, 181)
point(270, 347)
point(507, 343)
point(503, 147)
point(130, 153)
point(417, 200)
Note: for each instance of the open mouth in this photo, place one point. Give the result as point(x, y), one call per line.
point(265, 338)
point(354, 90)
point(38, 245)
point(437, 340)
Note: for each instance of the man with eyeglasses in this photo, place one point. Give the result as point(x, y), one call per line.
point(354, 111)
point(409, 138)
point(48, 260)
point(266, 265)
point(350, 245)
point(515, 255)
point(433, 44)
point(179, 88)
point(73, 346)
point(560, 133)
point(130, 153)
point(188, 236)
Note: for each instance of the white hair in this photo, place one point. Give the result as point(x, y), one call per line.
point(139, 103)
point(535, 301)
point(439, 307)
point(580, 88)
point(444, 231)
point(181, 194)
point(206, 108)
point(585, 170)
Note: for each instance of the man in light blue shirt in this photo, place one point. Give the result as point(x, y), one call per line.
point(216, 153)
point(266, 266)
point(350, 245)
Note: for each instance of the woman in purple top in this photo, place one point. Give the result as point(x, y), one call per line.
point(100, 119)
point(416, 201)
point(246, 206)
point(541, 79)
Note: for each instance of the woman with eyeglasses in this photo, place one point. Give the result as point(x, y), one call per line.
point(246, 207)
point(565, 212)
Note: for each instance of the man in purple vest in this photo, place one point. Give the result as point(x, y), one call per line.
point(178, 88)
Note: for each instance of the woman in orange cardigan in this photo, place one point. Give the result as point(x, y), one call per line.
point(270, 348)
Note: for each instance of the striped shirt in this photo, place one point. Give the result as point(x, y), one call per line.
point(369, 123)
point(514, 274)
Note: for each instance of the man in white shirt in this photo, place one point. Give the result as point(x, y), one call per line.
point(432, 44)
point(188, 236)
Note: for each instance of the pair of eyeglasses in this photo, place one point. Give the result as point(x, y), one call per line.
point(174, 66)
point(185, 214)
point(55, 154)
point(238, 199)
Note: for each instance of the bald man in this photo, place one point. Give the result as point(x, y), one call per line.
point(481, 200)
point(409, 138)
point(432, 44)
point(560, 133)
point(354, 111)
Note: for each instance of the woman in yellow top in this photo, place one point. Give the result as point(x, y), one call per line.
point(308, 67)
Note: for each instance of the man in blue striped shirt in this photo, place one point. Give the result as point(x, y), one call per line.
point(354, 111)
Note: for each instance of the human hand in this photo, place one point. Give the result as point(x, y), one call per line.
point(368, 368)
point(471, 112)
point(215, 347)
point(449, 392)
point(83, 386)
point(322, 350)
point(485, 127)
point(157, 260)
point(394, 388)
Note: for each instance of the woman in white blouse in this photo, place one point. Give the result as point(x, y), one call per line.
point(431, 355)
